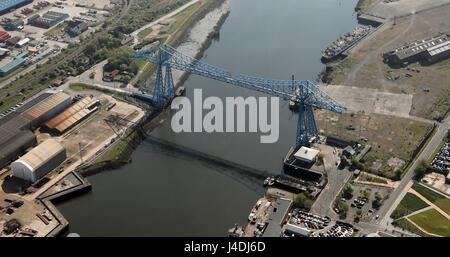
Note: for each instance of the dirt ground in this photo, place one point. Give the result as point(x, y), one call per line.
point(26, 215)
point(95, 130)
point(364, 66)
point(390, 137)
point(403, 7)
point(437, 181)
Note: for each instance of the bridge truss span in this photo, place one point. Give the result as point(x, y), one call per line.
point(303, 92)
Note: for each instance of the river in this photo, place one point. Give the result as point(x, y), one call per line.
point(163, 193)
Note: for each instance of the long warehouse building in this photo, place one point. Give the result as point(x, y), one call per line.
point(8, 5)
point(39, 161)
point(16, 136)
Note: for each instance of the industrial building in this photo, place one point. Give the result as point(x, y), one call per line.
point(15, 134)
point(14, 25)
point(14, 64)
point(7, 5)
point(4, 36)
point(3, 52)
point(295, 230)
point(75, 27)
point(306, 154)
point(299, 163)
point(48, 108)
point(277, 217)
point(428, 50)
point(49, 19)
point(73, 115)
point(13, 41)
point(39, 161)
point(22, 42)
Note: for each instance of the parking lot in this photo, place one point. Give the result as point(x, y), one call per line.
point(362, 207)
point(442, 159)
point(320, 226)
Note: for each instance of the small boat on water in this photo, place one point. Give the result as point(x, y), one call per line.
point(269, 181)
point(236, 231)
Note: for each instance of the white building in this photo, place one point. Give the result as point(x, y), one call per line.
point(23, 42)
point(306, 154)
point(39, 161)
point(296, 230)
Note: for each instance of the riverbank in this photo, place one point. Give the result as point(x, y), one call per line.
point(193, 40)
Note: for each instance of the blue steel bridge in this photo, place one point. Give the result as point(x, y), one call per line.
point(304, 92)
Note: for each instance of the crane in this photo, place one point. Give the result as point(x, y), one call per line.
point(303, 92)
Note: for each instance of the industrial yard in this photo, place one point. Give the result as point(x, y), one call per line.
point(67, 135)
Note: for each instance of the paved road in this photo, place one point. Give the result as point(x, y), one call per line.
point(336, 180)
point(135, 33)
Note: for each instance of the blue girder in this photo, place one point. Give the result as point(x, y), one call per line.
point(304, 92)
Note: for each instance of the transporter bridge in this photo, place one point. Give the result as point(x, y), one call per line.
point(303, 92)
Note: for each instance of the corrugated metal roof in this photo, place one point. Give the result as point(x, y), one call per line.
point(5, 4)
point(12, 65)
point(71, 115)
point(46, 105)
point(41, 154)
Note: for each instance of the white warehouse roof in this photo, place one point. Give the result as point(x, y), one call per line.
point(29, 164)
point(290, 228)
point(306, 154)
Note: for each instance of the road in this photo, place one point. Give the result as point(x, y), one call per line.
point(336, 181)
point(135, 33)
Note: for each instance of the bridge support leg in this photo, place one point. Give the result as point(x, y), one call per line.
point(306, 126)
point(164, 90)
point(158, 93)
point(168, 84)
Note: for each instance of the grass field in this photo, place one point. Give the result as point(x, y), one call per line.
point(57, 31)
point(443, 204)
point(186, 13)
point(409, 204)
point(427, 193)
point(389, 137)
point(144, 33)
point(432, 221)
point(405, 224)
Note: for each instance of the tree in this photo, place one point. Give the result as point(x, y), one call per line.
point(367, 192)
point(342, 206)
point(378, 196)
point(320, 157)
point(348, 191)
point(421, 168)
point(378, 199)
point(302, 201)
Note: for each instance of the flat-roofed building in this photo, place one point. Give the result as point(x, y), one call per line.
point(295, 230)
point(306, 154)
point(277, 217)
point(39, 161)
